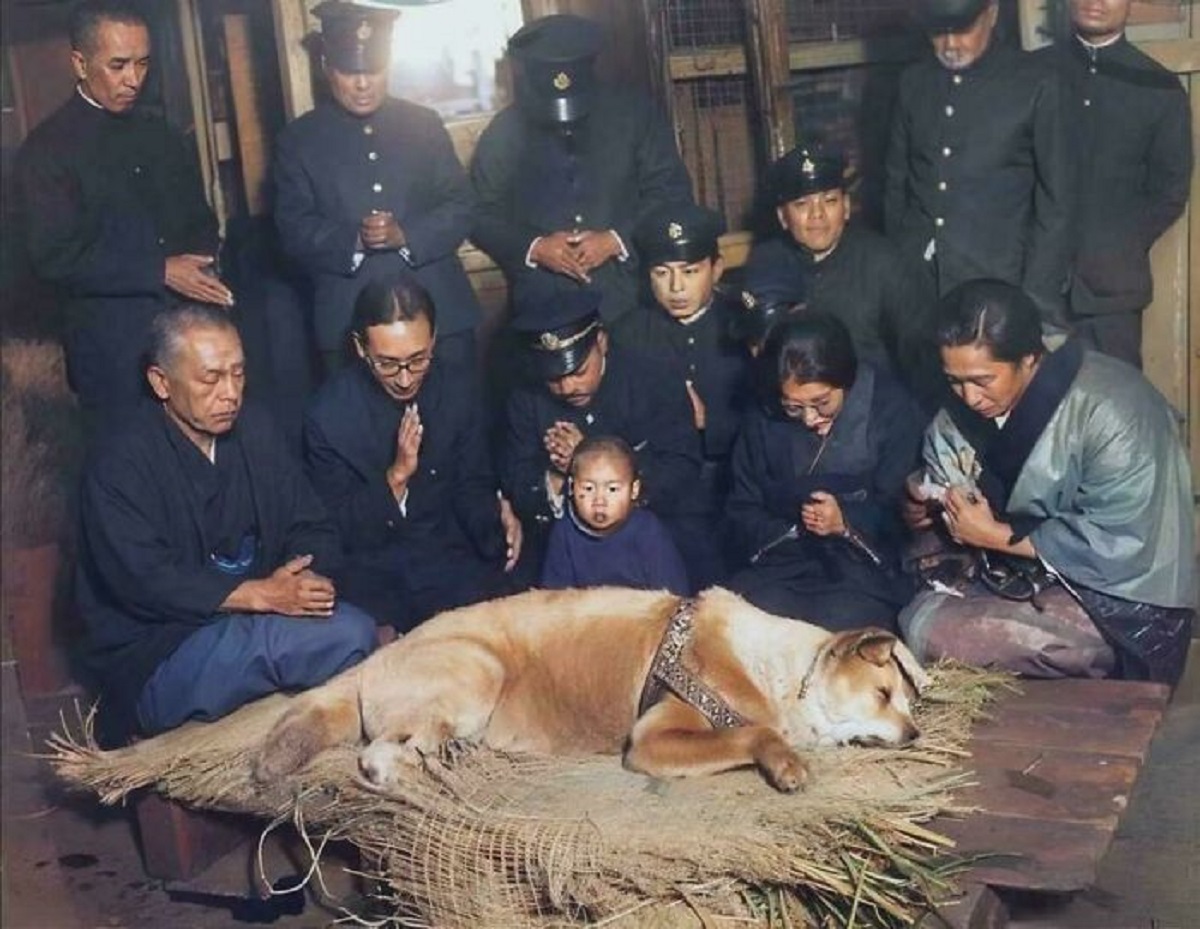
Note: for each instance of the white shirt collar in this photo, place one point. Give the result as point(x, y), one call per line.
point(86, 96)
point(1092, 46)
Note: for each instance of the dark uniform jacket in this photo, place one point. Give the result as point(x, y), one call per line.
point(105, 200)
point(1131, 137)
point(529, 181)
point(145, 578)
point(638, 554)
point(978, 164)
point(636, 401)
point(701, 352)
point(333, 168)
point(863, 282)
point(778, 464)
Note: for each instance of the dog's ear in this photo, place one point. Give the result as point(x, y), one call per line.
point(875, 646)
point(917, 676)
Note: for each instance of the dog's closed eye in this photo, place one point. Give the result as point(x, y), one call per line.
point(885, 694)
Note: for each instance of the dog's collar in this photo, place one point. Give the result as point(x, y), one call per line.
point(806, 681)
point(668, 674)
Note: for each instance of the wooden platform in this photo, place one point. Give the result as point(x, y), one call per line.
point(1055, 768)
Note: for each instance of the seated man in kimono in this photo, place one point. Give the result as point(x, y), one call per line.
point(204, 553)
point(396, 447)
point(1063, 476)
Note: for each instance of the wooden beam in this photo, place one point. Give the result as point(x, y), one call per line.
point(253, 147)
point(722, 60)
point(1179, 55)
point(292, 23)
point(770, 73)
point(192, 40)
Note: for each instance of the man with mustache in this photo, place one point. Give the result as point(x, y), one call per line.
point(367, 187)
point(204, 553)
point(583, 385)
point(113, 210)
point(1130, 128)
point(978, 173)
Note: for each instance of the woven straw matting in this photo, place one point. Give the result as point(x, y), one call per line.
point(485, 839)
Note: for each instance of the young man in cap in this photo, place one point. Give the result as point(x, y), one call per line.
point(113, 210)
point(978, 173)
point(686, 324)
point(368, 186)
point(1131, 133)
point(563, 175)
point(585, 386)
point(836, 266)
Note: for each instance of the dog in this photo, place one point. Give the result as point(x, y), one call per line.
point(682, 688)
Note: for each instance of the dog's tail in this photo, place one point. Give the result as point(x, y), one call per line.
point(327, 716)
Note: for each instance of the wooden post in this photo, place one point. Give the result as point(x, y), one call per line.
point(292, 24)
point(192, 39)
point(253, 147)
point(767, 57)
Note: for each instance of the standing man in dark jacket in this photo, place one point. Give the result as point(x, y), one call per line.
point(836, 266)
point(687, 325)
point(588, 387)
point(978, 171)
point(563, 175)
point(204, 554)
point(368, 187)
point(1131, 133)
point(396, 446)
point(113, 210)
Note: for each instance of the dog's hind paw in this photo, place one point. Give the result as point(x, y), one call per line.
point(785, 770)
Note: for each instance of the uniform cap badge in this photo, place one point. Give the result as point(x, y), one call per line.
point(674, 230)
point(562, 80)
point(364, 32)
point(550, 342)
point(808, 167)
point(748, 300)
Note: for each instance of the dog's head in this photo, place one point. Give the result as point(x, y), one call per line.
point(862, 690)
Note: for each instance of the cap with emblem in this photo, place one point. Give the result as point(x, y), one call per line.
point(558, 327)
point(804, 171)
point(949, 15)
point(555, 75)
point(765, 298)
point(678, 232)
point(355, 39)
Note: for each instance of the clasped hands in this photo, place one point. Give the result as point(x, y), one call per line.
point(379, 230)
point(292, 589)
point(576, 253)
point(965, 512)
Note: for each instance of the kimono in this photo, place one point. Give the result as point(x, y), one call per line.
point(1090, 468)
point(778, 463)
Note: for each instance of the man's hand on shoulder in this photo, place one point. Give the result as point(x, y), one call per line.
point(192, 276)
point(292, 589)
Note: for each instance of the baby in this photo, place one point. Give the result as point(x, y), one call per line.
point(605, 538)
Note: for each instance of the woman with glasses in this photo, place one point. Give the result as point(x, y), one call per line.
point(818, 474)
point(1062, 473)
point(396, 446)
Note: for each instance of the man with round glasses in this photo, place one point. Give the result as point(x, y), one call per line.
point(397, 448)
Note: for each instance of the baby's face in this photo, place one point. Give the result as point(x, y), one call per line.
point(603, 491)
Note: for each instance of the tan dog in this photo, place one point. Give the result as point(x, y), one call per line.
point(562, 672)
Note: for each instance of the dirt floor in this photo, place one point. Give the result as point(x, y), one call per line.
point(68, 863)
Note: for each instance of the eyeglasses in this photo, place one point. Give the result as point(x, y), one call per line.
point(390, 367)
point(826, 406)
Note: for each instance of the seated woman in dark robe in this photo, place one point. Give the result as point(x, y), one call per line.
point(1061, 476)
point(818, 474)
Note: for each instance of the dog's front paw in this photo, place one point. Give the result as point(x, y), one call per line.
point(785, 770)
point(382, 763)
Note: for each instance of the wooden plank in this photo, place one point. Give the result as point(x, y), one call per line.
point(253, 147)
point(1031, 854)
point(978, 907)
point(1107, 695)
point(1179, 55)
point(1072, 729)
point(1049, 784)
point(292, 23)
point(767, 48)
point(1193, 413)
point(719, 60)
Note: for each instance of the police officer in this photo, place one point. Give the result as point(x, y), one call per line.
point(368, 186)
point(585, 386)
point(978, 176)
point(1131, 133)
point(685, 324)
point(563, 175)
point(834, 264)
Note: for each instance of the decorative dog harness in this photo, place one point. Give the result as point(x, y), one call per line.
point(669, 674)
